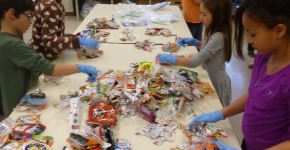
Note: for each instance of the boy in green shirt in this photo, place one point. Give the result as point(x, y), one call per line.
point(20, 65)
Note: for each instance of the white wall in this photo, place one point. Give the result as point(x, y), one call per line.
point(68, 5)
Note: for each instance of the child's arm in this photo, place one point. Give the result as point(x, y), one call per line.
point(283, 145)
point(199, 45)
point(181, 61)
point(214, 45)
point(63, 70)
point(235, 108)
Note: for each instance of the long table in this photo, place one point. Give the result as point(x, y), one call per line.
point(119, 56)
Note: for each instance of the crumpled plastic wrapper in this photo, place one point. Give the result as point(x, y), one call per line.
point(127, 35)
point(170, 47)
point(101, 114)
point(158, 31)
point(146, 45)
point(54, 80)
point(159, 132)
point(88, 53)
point(103, 23)
point(28, 119)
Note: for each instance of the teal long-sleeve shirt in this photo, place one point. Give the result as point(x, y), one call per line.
point(20, 67)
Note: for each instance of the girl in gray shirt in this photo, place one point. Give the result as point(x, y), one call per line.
point(215, 49)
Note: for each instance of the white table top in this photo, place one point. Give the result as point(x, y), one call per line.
point(118, 56)
point(107, 10)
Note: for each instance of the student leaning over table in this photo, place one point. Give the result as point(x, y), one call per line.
point(266, 105)
point(48, 37)
point(20, 65)
point(215, 47)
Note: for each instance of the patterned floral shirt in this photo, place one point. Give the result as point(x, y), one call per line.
point(48, 36)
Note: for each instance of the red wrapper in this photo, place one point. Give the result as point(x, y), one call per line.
point(101, 114)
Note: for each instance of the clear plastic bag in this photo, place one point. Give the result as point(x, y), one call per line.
point(164, 19)
point(87, 7)
point(136, 21)
point(158, 6)
point(132, 10)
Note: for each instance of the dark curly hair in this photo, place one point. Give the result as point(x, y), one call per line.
point(268, 12)
point(19, 6)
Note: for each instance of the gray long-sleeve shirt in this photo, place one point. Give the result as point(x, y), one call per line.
point(211, 56)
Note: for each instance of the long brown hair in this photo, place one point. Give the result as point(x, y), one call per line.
point(221, 22)
point(269, 12)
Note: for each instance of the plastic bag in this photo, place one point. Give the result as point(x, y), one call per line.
point(133, 21)
point(87, 7)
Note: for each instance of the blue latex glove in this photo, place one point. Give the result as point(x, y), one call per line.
point(187, 41)
point(89, 70)
point(208, 117)
point(88, 42)
point(223, 146)
point(166, 58)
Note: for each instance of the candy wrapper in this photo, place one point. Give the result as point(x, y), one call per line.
point(48, 140)
point(28, 130)
point(86, 91)
point(101, 114)
point(97, 134)
point(146, 45)
point(158, 31)
point(103, 23)
point(146, 66)
point(53, 80)
point(93, 138)
point(6, 128)
point(215, 132)
point(159, 132)
point(170, 47)
point(87, 53)
point(205, 88)
point(28, 119)
point(191, 73)
point(127, 35)
point(4, 133)
point(197, 138)
point(12, 145)
point(123, 144)
point(105, 85)
point(82, 141)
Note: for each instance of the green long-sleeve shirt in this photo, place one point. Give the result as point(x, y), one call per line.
point(20, 67)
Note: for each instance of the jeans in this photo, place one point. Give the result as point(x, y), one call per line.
point(195, 30)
